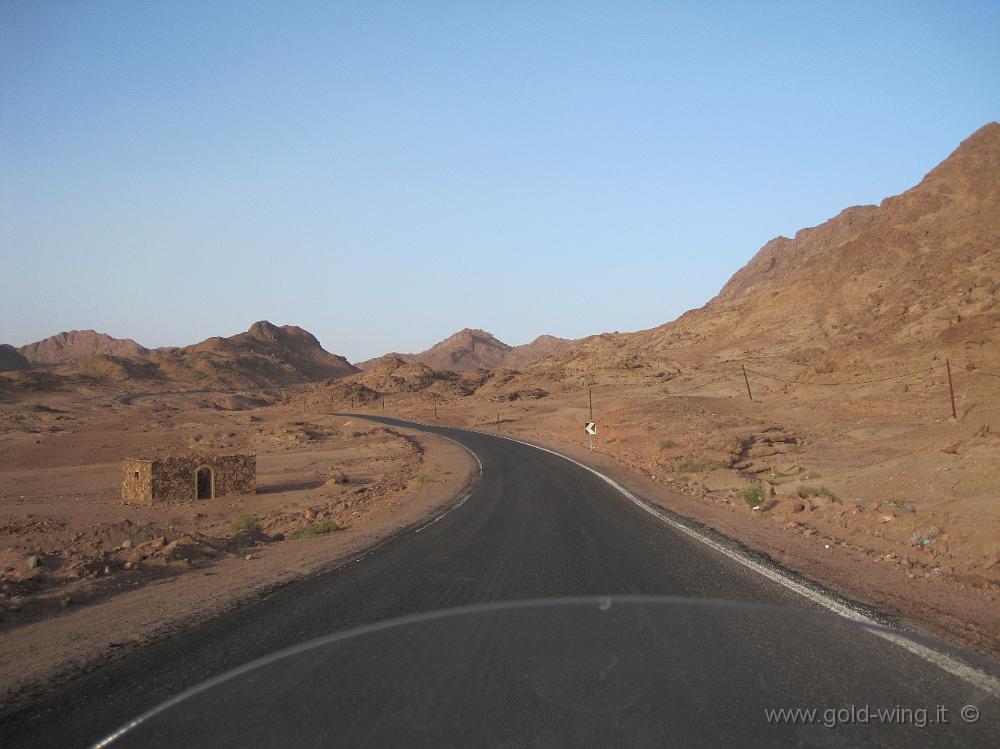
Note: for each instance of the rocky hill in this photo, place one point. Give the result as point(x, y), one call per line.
point(465, 350)
point(266, 355)
point(11, 359)
point(915, 277)
point(529, 353)
point(473, 349)
point(79, 344)
point(922, 267)
point(288, 347)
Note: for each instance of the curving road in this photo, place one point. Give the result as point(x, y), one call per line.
point(619, 672)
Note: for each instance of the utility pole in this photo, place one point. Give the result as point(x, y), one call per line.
point(747, 381)
point(951, 390)
point(383, 401)
point(435, 408)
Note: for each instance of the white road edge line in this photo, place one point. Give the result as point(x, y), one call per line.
point(951, 665)
point(472, 489)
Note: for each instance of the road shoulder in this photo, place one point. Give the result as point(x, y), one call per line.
point(923, 604)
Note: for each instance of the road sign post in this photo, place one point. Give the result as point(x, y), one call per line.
point(591, 426)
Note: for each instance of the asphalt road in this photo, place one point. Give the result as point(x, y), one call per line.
point(598, 671)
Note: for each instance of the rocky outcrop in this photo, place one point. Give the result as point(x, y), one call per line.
point(11, 359)
point(79, 344)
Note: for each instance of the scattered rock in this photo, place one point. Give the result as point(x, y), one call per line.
point(789, 506)
point(788, 469)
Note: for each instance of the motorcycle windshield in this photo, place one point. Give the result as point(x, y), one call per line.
point(596, 672)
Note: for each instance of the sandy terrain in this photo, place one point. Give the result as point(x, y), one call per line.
point(86, 577)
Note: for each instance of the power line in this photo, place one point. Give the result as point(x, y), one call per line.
point(926, 370)
point(699, 385)
point(979, 372)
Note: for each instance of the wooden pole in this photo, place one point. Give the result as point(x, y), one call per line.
point(951, 390)
point(498, 421)
point(747, 381)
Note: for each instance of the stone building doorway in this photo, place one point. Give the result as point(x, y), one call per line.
point(204, 481)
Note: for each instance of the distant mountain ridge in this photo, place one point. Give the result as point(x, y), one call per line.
point(529, 353)
point(467, 349)
point(78, 344)
point(471, 348)
point(266, 355)
point(287, 344)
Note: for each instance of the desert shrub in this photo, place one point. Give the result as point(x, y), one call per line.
point(817, 491)
point(424, 478)
point(666, 444)
point(698, 465)
point(327, 526)
point(248, 523)
point(753, 494)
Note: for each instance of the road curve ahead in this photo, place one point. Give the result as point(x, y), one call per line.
point(606, 668)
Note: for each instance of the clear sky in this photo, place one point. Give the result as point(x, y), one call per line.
point(384, 174)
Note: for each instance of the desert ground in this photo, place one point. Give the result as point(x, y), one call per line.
point(87, 577)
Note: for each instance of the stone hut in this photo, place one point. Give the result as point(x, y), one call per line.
point(183, 479)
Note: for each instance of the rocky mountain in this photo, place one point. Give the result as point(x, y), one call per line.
point(920, 267)
point(394, 374)
point(916, 276)
point(473, 349)
point(11, 359)
point(528, 353)
point(79, 344)
point(392, 356)
point(266, 355)
point(291, 347)
point(465, 350)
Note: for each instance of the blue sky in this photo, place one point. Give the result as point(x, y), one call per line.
point(384, 174)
